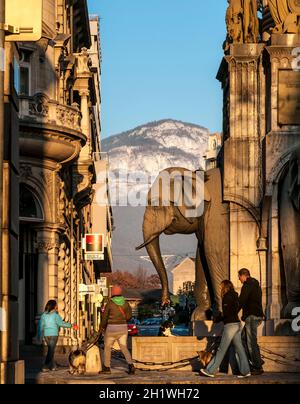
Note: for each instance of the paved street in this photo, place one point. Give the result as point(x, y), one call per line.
point(119, 375)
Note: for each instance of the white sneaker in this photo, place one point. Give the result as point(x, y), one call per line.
point(244, 376)
point(206, 373)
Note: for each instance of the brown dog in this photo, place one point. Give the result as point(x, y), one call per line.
point(77, 361)
point(205, 358)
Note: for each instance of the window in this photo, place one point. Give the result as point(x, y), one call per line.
point(30, 207)
point(25, 73)
point(16, 75)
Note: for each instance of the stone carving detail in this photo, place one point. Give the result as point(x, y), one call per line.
point(63, 276)
point(286, 15)
point(242, 22)
point(68, 117)
point(74, 287)
point(47, 111)
point(84, 62)
point(25, 172)
point(39, 105)
point(62, 203)
point(47, 177)
point(46, 245)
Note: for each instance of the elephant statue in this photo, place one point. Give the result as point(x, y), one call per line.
point(211, 228)
point(289, 212)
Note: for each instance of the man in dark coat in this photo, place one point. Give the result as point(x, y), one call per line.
point(250, 301)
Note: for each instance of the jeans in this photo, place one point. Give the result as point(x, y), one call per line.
point(115, 333)
point(232, 334)
point(51, 343)
point(250, 338)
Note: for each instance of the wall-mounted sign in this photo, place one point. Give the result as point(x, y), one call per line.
point(93, 246)
point(23, 20)
point(93, 289)
point(102, 282)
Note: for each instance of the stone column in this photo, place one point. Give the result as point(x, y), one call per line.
point(85, 122)
point(48, 244)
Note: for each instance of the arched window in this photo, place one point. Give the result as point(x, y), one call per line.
point(30, 208)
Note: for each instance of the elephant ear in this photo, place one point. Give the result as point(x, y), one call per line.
point(294, 181)
point(189, 194)
point(184, 189)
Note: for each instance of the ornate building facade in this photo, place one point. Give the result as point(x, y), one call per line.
point(59, 137)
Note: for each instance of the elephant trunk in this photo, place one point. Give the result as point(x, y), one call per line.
point(156, 221)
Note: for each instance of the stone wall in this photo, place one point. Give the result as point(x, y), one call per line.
point(279, 352)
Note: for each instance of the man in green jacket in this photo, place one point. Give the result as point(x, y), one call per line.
point(114, 321)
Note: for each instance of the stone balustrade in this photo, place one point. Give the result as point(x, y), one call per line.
point(42, 110)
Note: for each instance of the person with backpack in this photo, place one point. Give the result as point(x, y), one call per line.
point(116, 315)
point(48, 328)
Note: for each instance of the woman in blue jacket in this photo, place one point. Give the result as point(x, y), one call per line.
point(49, 326)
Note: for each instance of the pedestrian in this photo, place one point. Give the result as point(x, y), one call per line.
point(232, 334)
point(48, 328)
point(250, 302)
point(114, 322)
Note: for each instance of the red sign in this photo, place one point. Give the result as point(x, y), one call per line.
point(94, 243)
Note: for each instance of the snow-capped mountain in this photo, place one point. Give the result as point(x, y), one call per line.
point(158, 145)
point(150, 149)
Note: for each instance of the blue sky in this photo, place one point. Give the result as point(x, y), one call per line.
point(160, 59)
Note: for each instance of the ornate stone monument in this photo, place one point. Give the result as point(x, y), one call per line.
point(260, 157)
point(260, 175)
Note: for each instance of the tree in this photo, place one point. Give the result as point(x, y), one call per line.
point(153, 282)
point(137, 280)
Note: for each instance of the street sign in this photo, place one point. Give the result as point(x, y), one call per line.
point(23, 19)
point(93, 246)
point(102, 282)
point(94, 243)
point(94, 257)
point(93, 289)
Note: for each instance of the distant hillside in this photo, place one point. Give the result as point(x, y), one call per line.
point(151, 148)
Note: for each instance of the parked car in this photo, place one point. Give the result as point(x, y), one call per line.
point(132, 328)
point(150, 327)
point(181, 330)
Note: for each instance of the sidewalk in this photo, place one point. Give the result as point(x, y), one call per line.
point(119, 375)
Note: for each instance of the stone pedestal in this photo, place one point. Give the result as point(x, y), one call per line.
point(281, 354)
point(93, 361)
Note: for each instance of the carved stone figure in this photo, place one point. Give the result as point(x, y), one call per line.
point(286, 15)
point(211, 229)
point(234, 21)
point(250, 21)
point(289, 202)
point(242, 22)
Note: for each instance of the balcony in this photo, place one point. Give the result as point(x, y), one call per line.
point(50, 130)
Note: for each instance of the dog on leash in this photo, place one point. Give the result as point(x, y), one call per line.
point(205, 358)
point(77, 362)
point(166, 329)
